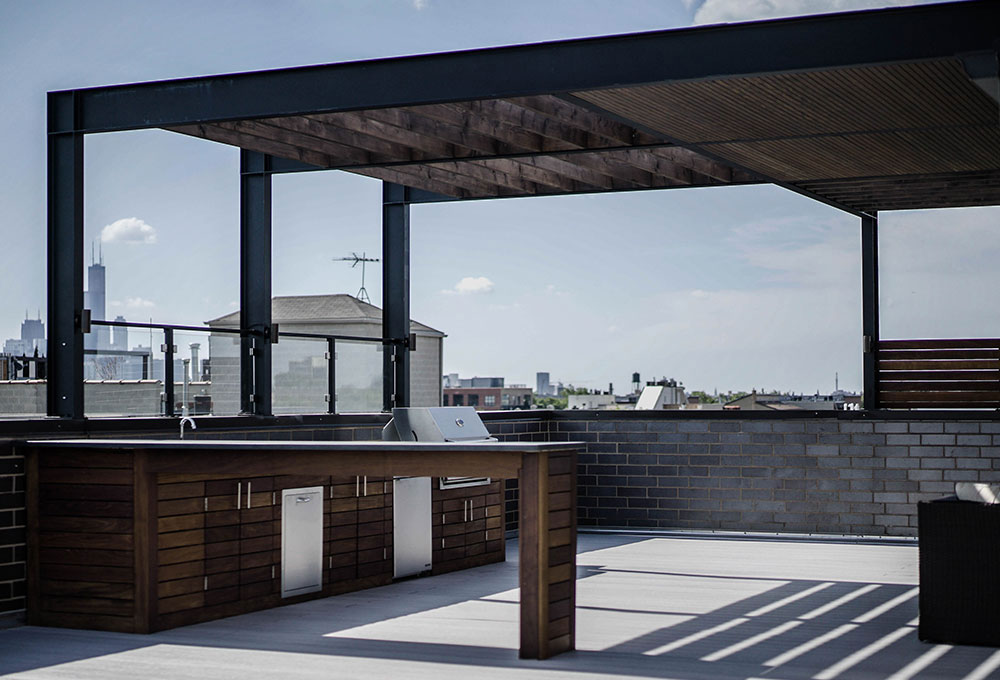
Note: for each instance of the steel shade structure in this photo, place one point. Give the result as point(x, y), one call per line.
point(866, 111)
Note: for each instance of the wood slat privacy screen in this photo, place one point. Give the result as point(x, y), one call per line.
point(939, 373)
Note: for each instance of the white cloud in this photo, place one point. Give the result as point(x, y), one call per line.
point(420, 4)
point(470, 285)
point(128, 230)
point(139, 303)
point(729, 11)
point(804, 253)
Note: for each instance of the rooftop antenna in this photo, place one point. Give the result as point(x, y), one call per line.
point(355, 258)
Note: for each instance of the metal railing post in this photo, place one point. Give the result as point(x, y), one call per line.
point(331, 375)
point(168, 371)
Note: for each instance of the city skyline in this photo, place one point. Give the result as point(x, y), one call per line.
point(734, 288)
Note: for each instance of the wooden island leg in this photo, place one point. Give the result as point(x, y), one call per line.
point(547, 545)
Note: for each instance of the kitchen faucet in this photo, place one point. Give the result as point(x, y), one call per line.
point(187, 419)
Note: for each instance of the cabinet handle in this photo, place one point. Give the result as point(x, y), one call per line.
point(357, 486)
point(248, 494)
point(465, 511)
point(239, 494)
point(366, 485)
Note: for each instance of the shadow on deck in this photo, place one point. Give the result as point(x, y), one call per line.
point(647, 607)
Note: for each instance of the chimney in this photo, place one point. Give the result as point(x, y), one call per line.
point(195, 364)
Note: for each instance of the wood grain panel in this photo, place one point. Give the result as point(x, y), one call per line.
point(86, 556)
point(97, 525)
point(80, 588)
point(62, 539)
point(88, 492)
point(955, 373)
point(87, 605)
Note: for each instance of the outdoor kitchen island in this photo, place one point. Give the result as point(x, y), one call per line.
point(135, 535)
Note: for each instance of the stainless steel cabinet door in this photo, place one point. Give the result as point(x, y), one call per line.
point(301, 541)
point(411, 525)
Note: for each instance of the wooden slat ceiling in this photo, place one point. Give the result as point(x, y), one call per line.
point(883, 137)
point(526, 146)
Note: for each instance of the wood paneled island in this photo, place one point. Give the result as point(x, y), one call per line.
point(144, 535)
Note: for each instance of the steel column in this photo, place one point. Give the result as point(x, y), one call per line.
point(869, 304)
point(395, 296)
point(65, 257)
point(255, 283)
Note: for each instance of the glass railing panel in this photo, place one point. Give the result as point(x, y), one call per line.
point(119, 372)
point(223, 372)
point(359, 377)
point(299, 376)
point(22, 386)
point(195, 389)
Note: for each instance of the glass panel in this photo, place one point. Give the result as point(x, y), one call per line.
point(299, 376)
point(194, 360)
point(119, 372)
point(223, 372)
point(22, 384)
point(359, 377)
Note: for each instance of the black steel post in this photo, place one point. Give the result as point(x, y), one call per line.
point(65, 257)
point(168, 371)
point(395, 296)
point(870, 316)
point(331, 375)
point(255, 283)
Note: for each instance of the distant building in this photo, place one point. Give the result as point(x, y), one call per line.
point(95, 299)
point(299, 367)
point(594, 401)
point(32, 340)
point(542, 386)
point(119, 335)
point(660, 395)
point(839, 400)
point(484, 393)
point(495, 398)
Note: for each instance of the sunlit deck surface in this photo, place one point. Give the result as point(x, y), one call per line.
point(647, 607)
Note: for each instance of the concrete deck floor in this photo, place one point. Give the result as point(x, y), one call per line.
point(647, 608)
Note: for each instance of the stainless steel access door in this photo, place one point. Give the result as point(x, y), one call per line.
point(301, 541)
point(411, 525)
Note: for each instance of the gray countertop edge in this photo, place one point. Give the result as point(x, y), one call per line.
point(372, 446)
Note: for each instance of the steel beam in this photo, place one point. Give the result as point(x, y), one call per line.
point(395, 296)
point(784, 45)
point(255, 283)
point(869, 310)
point(65, 257)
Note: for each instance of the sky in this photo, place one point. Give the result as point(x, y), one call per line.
point(723, 289)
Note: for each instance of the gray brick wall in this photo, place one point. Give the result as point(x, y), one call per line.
point(853, 475)
point(798, 475)
point(12, 533)
point(531, 428)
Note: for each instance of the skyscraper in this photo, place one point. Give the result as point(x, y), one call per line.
point(542, 386)
point(94, 299)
